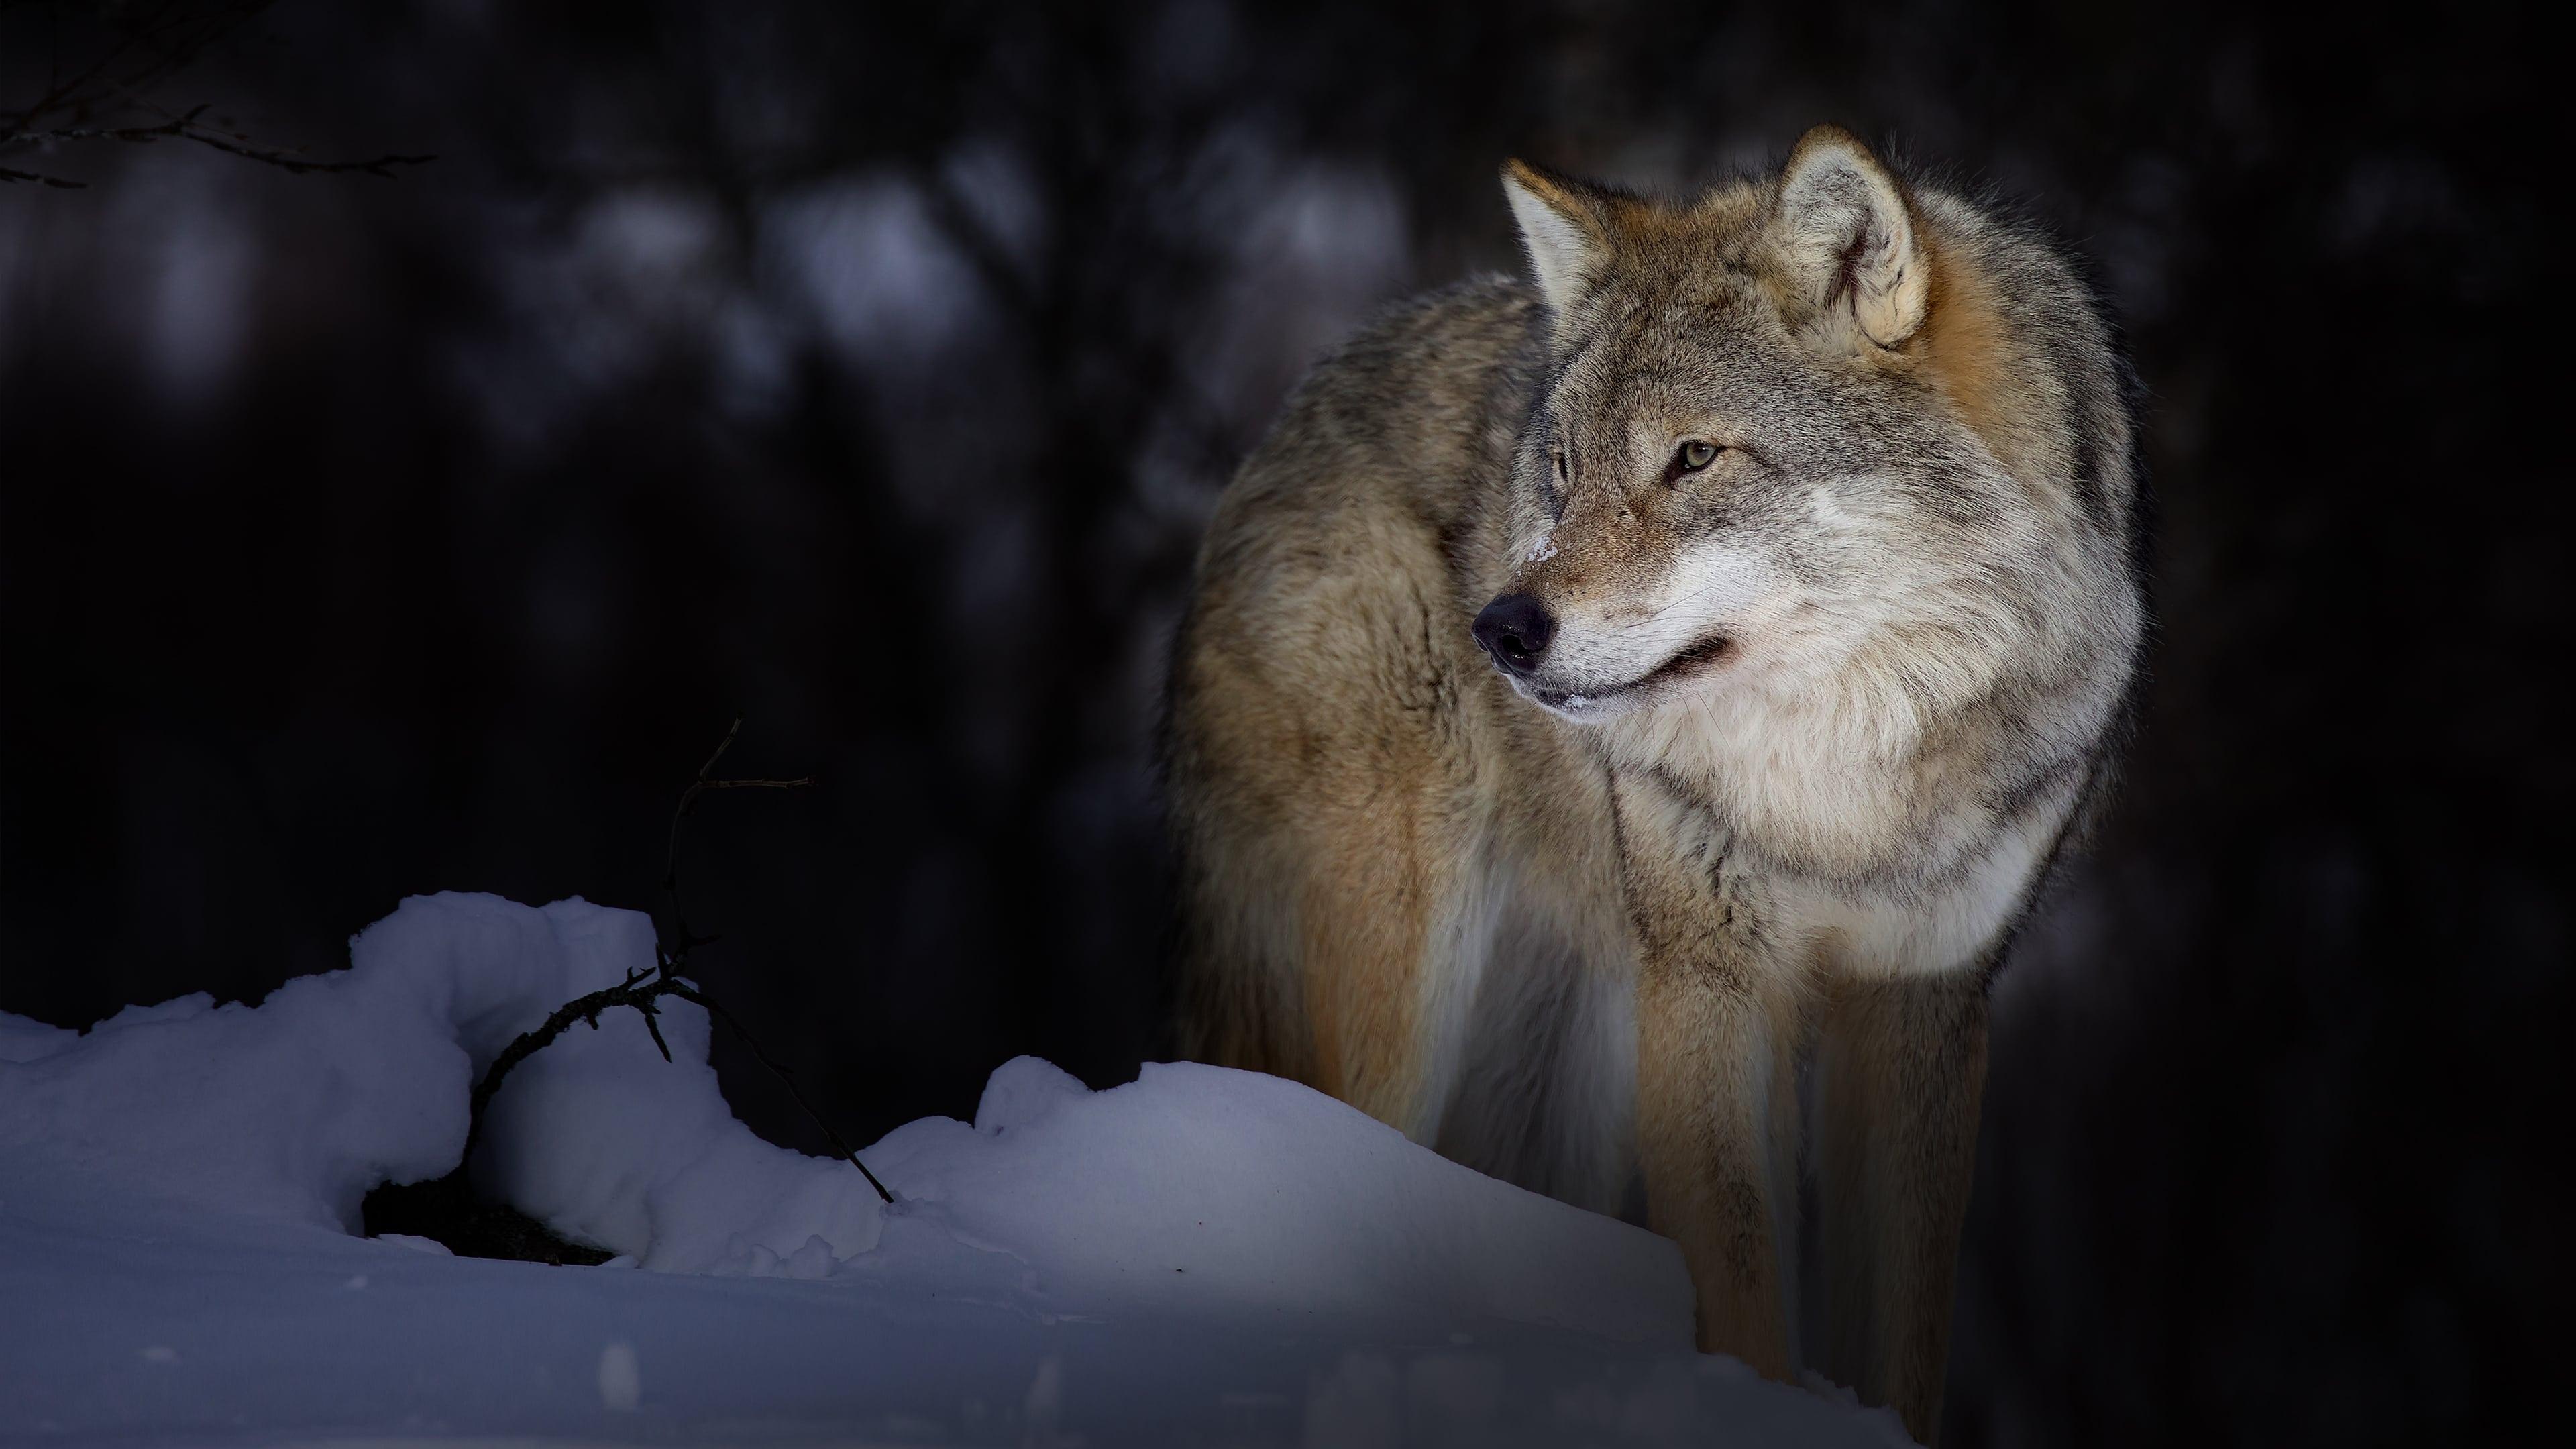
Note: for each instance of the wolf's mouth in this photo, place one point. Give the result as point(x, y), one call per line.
point(1706, 654)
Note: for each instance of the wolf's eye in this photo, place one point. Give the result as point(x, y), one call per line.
point(1690, 458)
point(1556, 457)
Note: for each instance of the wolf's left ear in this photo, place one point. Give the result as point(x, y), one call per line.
point(1844, 229)
point(1566, 228)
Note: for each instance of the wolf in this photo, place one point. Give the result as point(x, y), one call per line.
point(1604, 691)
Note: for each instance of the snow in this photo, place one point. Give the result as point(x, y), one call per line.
point(1200, 1256)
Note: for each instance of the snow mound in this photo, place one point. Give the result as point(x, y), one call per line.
point(1124, 1263)
point(1192, 1183)
point(1203, 1184)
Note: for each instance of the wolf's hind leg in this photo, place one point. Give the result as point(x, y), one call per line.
point(1901, 1067)
point(1370, 948)
point(1325, 803)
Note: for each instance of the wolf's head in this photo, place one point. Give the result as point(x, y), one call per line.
point(1799, 430)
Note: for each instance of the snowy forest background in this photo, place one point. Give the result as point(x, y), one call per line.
point(869, 371)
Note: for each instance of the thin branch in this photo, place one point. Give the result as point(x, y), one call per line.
point(379, 166)
point(161, 45)
point(638, 991)
point(641, 990)
point(678, 949)
point(188, 128)
point(786, 1079)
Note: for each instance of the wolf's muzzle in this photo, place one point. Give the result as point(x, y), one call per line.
point(1515, 629)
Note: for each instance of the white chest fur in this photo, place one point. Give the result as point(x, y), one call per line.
point(1871, 853)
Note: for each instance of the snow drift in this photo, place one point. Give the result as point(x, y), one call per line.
point(1200, 1254)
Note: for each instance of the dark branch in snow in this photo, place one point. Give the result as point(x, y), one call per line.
point(641, 990)
point(638, 991)
point(786, 1079)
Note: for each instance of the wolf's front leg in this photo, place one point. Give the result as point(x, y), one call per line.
point(1901, 1068)
point(1715, 1061)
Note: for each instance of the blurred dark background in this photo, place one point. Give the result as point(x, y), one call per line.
point(869, 372)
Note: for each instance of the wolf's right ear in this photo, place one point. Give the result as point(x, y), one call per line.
point(1566, 228)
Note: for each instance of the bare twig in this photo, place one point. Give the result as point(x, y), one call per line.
point(638, 991)
point(147, 50)
point(689, 797)
point(786, 1079)
point(189, 128)
point(641, 990)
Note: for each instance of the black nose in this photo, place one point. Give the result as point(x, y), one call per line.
point(1515, 629)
